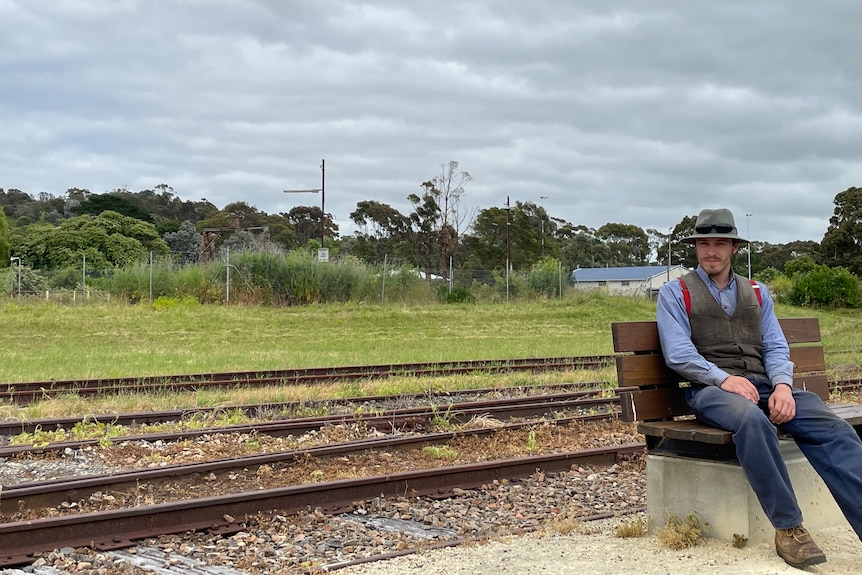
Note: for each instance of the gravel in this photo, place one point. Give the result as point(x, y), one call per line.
point(316, 541)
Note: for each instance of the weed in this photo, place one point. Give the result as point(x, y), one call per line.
point(442, 421)
point(739, 541)
point(532, 446)
point(562, 524)
point(637, 527)
point(682, 534)
point(39, 437)
point(438, 452)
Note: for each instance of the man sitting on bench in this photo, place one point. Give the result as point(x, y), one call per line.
point(723, 337)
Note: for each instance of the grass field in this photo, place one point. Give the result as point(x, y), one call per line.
point(50, 342)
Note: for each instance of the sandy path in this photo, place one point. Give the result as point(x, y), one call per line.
point(595, 551)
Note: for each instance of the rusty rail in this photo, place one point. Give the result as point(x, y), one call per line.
point(27, 392)
point(20, 541)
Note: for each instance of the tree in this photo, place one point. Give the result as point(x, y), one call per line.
point(382, 231)
point(768, 255)
point(842, 243)
point(628, 244)
point(12, 199)
point(185, 243)
point(485, 246)
point(109, 239)
point(424, 232)
point(98, 203)
point(582, 248)
point(5, 241)
point(447, 189)
point(307, 220)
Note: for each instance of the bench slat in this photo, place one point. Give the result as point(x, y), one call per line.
point(642, 336)
point(661, 403)
point(668, 402)
point(650, 370)
point(686, 430)
point(693, 430)
point(644, 371)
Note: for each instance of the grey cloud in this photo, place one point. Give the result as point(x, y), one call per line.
point(637, 113)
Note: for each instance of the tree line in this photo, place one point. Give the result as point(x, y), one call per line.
point(121, 227)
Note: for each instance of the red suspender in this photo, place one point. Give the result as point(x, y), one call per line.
point(685, 296)
point(757, 291)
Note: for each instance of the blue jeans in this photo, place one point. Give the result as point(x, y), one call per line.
point(831, 445)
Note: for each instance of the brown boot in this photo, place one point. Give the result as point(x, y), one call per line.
point(797, 548)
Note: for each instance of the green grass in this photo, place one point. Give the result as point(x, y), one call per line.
point(52, 342)
point(48, 342)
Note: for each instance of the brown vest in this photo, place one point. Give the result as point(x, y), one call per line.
point(733, 343)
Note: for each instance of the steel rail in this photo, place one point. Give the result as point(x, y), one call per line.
point(54, 492)
point(393, 420)
point(142, 418)
point(25, 392)
point(20, 541)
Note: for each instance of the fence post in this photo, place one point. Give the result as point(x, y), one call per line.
point(151, 276)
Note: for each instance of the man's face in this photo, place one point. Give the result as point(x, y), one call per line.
point(714, 254)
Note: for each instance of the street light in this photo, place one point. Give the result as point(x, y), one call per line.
point(18, 259)
point(542, 216)
point(508, 247)
point(748, 237)
point(322, 191)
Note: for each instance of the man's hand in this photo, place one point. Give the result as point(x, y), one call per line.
point(782, 406)
point(741, 386)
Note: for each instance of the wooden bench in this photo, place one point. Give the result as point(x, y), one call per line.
point(658, 404)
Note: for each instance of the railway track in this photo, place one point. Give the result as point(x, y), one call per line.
point(225, 513)
point(387, 421)
point(405, 429)
point(54, 493)
point(349, 405)
point(23, 393)
point(26, 392)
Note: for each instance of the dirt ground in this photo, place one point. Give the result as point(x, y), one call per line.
point(596, 551)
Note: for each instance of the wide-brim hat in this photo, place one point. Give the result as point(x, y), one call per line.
point(714, 224)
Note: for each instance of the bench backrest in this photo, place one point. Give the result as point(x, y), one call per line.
point(659, 396)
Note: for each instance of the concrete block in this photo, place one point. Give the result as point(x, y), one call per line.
point(719, 494)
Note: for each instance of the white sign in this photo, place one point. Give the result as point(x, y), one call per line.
point(323, 254)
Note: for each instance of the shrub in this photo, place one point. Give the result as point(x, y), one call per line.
point(457, 295)
point(822, 286)
point(682, 534)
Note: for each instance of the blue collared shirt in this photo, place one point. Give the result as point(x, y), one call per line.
point(674, 331)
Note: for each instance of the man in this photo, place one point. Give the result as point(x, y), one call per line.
point(718, 334)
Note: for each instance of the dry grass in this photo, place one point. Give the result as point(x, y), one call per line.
point(681, 533)
point(637, 527)
point(562, 524)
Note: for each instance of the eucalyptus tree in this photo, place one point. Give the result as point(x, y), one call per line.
point(383, 231)
point(627, 243)
point(842, 243)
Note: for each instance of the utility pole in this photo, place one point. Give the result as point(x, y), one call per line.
point(322, 191)
point(508, 247)
point(322, 203)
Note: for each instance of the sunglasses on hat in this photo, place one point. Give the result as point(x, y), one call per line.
point(717, 228)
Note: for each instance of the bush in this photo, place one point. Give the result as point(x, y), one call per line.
point(457, 295)
point(544, 278)
point(822, 286)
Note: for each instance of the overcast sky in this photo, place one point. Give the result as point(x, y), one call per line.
point(626, 112)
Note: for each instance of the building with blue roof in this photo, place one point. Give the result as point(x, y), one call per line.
point(634, 280)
